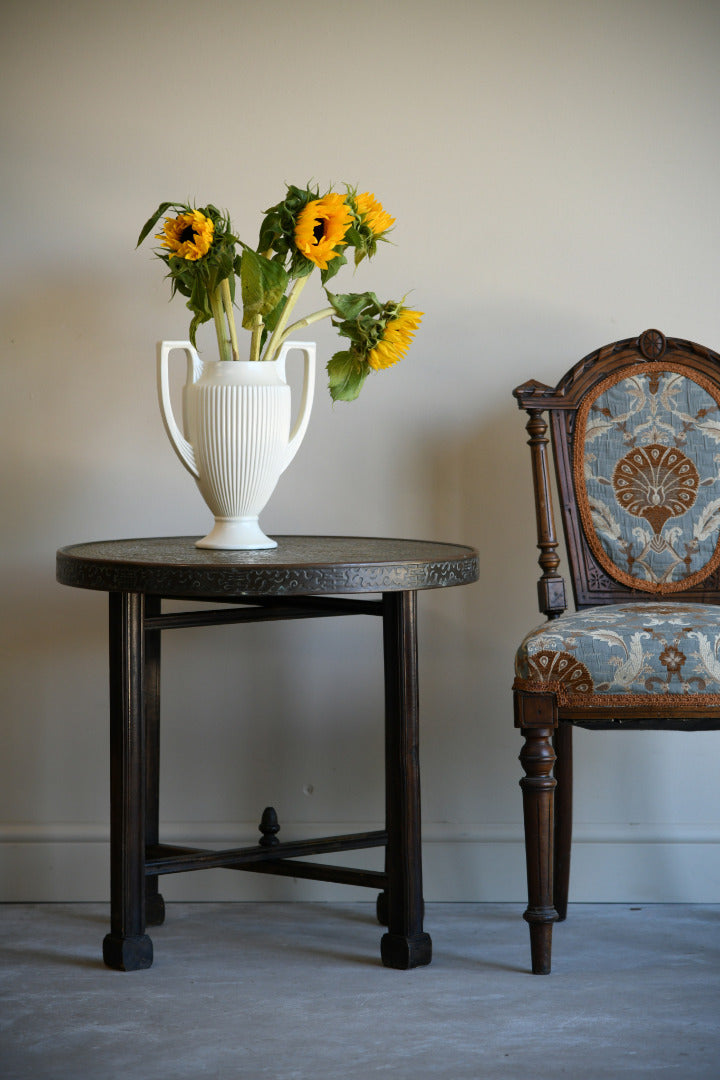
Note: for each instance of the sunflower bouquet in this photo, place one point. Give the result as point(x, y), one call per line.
point(304, 232)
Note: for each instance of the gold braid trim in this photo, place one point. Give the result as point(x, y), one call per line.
point(567, 700)
point(659, 587)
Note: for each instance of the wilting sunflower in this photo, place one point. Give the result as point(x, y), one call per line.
point(395, 340)
point(188, 236)
point(321, 227)
point(372, 215)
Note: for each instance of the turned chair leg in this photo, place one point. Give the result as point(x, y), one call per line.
point(537, 722)
point(563, 817)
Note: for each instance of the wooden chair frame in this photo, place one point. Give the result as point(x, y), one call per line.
point(546, 725)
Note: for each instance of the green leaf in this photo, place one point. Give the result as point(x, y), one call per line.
point(332, 268)
point(338, 366)
point(178, 285)
point(199, 298)
point(300, 266)
point(346, 375)
point(350, 305)
point(194, 323)
point(152, 221)
point(353, 237)
point(262, 282)
point(271, 319)
point(270, 231)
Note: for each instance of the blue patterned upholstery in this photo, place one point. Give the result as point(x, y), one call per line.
point(621, 652)
point(647, 476)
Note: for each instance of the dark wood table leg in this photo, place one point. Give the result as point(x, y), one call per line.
point(127, 947)
point(404, 945)
point(154, 903)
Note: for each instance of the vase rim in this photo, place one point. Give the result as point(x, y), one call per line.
point(234, 363)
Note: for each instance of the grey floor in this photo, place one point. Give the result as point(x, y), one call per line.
point(297, 992)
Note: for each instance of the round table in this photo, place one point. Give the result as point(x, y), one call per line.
point(303, 577)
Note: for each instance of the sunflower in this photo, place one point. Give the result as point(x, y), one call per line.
point(395, 340)
point(320, 228)
point(372, 215)
point(188, 236)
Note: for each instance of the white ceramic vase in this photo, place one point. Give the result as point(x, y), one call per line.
point(237, 439)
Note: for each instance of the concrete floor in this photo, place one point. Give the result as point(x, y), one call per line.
point(297, 992)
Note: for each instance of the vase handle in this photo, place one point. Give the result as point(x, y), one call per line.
point(180, 445)
point(308, 390)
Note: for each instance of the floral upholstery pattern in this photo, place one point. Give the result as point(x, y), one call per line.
point(619, 653)
point(647, 476)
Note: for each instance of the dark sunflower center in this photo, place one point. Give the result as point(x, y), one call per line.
point(319, 230)
point(188, 234)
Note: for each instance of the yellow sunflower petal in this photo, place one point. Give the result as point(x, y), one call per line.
point(373, 215)
point(396, 339)
point(321, 227)
point(188, 236)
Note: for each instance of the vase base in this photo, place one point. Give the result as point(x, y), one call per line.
point(236, 534)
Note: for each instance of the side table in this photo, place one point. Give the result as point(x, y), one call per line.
point(304, 577)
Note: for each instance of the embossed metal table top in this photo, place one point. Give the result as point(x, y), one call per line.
point(299, 565)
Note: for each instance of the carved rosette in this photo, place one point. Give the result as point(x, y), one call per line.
point(652, 344)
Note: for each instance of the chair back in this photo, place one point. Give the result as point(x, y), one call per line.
point(635, 429)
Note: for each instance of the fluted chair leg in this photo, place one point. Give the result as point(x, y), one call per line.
point(563, 817)
point(537, 722)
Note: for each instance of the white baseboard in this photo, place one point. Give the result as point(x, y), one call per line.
point(611, 863)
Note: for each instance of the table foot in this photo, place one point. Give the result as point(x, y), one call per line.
point(398, 951)
point(129, 953)
point(154, 910)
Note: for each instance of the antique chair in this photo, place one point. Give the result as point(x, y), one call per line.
point(635, 430)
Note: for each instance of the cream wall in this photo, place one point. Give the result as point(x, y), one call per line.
point(553, 169)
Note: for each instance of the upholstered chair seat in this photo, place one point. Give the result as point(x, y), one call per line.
point(635, 434)
point(619, 654)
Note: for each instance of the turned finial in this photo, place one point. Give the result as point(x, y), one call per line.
point(269, 827)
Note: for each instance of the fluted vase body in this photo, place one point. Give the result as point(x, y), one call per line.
point(237, 440)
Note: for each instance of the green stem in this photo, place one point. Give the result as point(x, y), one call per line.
point(307, 321)
point(278, 332)
point(216, 306)
point(256, 336)
point(228, 305)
